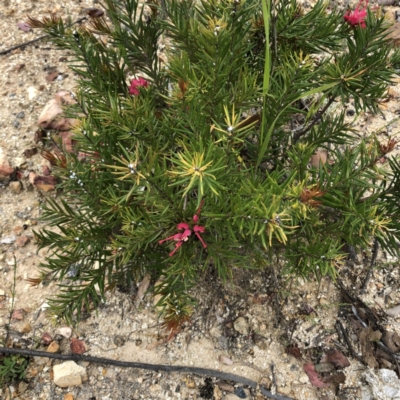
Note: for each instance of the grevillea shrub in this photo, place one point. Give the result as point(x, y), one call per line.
point(212, 135)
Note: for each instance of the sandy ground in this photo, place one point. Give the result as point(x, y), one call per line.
point(123, 331)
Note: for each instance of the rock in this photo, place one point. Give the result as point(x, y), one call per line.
point(19, 162)
point(46, 338)
point(78, 346)
point(15, 187)
point(52, 115)
point(53, 347)
point(69, 374)
point(69, 396)
point(5, 169)
point(217, 393)
point(45, 306)
point(286, 390)
point(32, 92)
point(65, 331)
point(240, 325)
point(22, 241)
point(216, 331)
point(190, 383)
point(19, 314)
point(26, 328)
point(231, 396)
point(16, 123)
point(22, 386)
point(304, 379)
point(18, 230)
point(239, 392)
point(8, 240)
point(323, 302)
point(320, 156)
point(394, 311)
point(25, 214)
point(383, 383)
point(20, 115)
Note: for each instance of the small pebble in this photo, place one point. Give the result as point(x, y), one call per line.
point(21, 115)
point(22, 241)
point(239, 392)
point(26, 328)
point(16, 124)
point(53, 347)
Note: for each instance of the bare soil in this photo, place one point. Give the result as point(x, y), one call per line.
point(254, 321)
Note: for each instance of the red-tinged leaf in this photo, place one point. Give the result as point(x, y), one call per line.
point(46, 170)
point(46, 183)
point(18, 67)
point(24, 26)
point(313, 376)
point(68, 143)
point(293, 349)
point(93, 12)
point(336, 358)
point(260, 298)
point(28, 153)
point(337, 379)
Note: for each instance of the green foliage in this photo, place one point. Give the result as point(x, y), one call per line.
point(208, 167)
point(12, 368)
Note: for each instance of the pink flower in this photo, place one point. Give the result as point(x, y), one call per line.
point(180, 238)
point(136, 84)
point(357, 17)
point(197, 230)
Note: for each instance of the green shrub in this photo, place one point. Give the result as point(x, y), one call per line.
point(12, 368)
point(212, 135)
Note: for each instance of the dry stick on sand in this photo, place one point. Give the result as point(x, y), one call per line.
point(2, 52)
point(152, 367)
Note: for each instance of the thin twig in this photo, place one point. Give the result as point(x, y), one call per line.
point(23, 44)
point(315, 119)
point(152, 367)
point(2, 52)
point(8, 326)
point(371, 266)
point(346, 339)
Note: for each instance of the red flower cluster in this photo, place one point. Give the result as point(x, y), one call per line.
point(357, 17)
point(180, 238)
point(136, 84)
